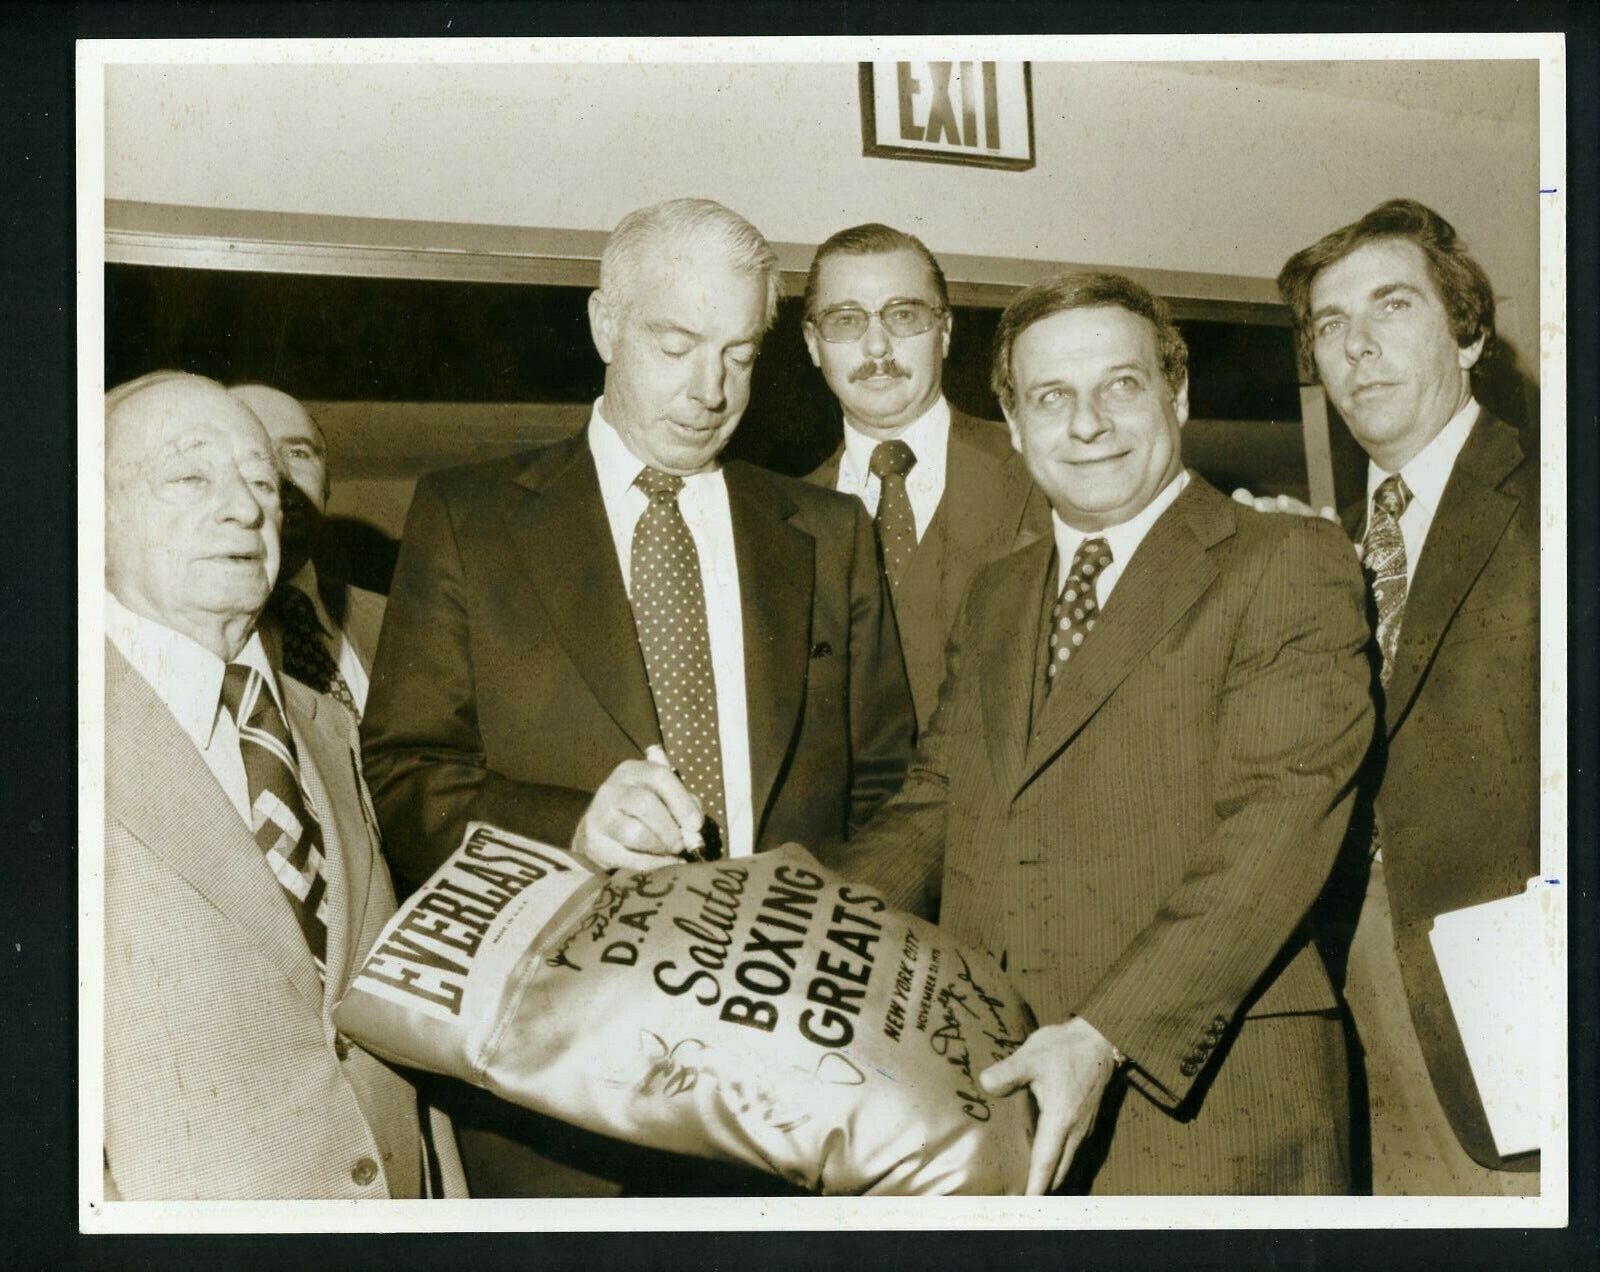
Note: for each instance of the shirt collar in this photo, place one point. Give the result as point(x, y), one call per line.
point(184, 674)
point(928, 436)
point(1429, 470)
point(614, 463)
point(1123, 540)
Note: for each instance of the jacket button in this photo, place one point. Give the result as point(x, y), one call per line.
point(1188, 1068)
point(1219, 1022)
point(364, 1171)
point(341, 1046)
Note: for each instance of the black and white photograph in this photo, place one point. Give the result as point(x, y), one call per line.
point(739, 633)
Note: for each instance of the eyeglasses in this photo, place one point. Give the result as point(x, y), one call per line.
point(900, 318)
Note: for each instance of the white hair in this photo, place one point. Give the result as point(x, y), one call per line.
point(688, 224)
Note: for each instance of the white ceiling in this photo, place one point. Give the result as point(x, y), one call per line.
point(1505, 91)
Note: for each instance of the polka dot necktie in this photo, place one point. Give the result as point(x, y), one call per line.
point(669, 610)
point(280, 819)
point(1076, 610)
point(897, 527)
point(1383, 556)
point(305, 657)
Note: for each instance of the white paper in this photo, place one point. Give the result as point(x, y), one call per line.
point(1488, 956)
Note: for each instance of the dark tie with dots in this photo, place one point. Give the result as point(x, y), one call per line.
point(1076, 609)
point(669, 609)
point(305, 657)
point(897, 527)
point(1383, 556)
point(280, 817)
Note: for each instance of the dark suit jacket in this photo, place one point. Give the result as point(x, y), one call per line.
point(509, 682)
point(1143, 853)
point(990, 506)
point(1457, 796)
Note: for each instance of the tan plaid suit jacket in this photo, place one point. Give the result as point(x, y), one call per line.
point(224, 1076)
point(1142, 847)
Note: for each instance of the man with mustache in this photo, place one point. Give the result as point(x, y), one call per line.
point(322, 631)
point(946, 490)
point(557, 617)
point(1396, 317)
point(243, 879)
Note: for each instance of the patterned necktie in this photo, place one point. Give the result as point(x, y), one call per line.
point(1075, 611)
point(669, 610)
point(305, 657)
point(897, 527)
point(1383, 555)
point(280, 816)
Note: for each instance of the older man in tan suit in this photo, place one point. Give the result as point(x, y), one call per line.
point(243, 880)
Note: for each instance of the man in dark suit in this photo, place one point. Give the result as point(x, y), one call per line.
point(947, 491)
point(323, 631)
point(1138, 776)
point(1395, 316)
point(618, 643)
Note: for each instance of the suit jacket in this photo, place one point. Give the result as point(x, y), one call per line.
point(1142, 847)
point(509, 681)
point(224, 1076)
point(990, 506)
point(1457, 793)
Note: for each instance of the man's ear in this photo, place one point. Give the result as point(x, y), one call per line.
point(811, 337)
point(944, 340)
point(602, 324)
point(1013, 429)
point(1467, 355)
point(1180, 402)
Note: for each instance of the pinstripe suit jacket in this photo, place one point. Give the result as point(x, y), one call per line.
point(1142, 849)
point(224, 1076)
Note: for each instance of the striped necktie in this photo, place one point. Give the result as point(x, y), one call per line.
point(280, 816)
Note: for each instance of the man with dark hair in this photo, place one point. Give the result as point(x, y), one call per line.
point(1395, 317)
point(1139, 776)
point(620, 644)
point(946, 491)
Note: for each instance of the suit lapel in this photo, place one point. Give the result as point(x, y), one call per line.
point(159, 787)
point(558, 530)
point(776, 578)
point(1169, 572)
point(1007, 646)
point(330, 777)
point(984, 494)
point(1472, 515)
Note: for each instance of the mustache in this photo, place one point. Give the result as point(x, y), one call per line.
point(888, 366)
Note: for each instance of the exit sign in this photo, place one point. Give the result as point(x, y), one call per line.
point(948, 112)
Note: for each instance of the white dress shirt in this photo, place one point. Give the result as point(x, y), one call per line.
point(1426, 476)
point(704, 504)
point(929, 439)
point(1123, 540)
point(187, 677)
point(333, 638)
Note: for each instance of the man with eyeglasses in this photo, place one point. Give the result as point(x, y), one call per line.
point(946, 491)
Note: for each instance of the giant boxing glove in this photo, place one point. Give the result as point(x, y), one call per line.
point(757, 1010)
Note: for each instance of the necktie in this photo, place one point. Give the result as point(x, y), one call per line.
point(897, 527)
point(280, 816)
point(1383, 555)
point(305, 657)
point(1075, 611)
point(669, 610)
